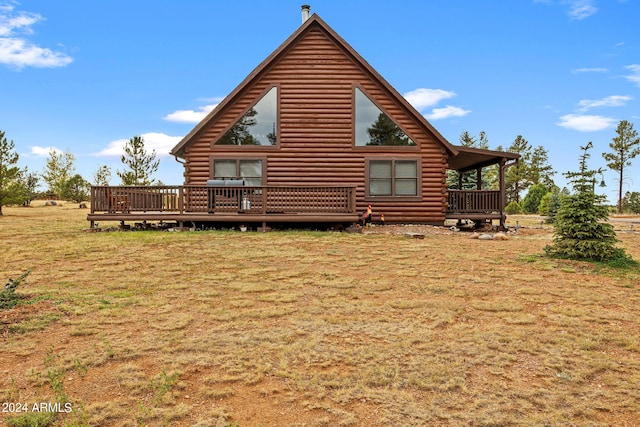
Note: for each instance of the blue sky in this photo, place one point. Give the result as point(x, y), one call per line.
point(86, 76)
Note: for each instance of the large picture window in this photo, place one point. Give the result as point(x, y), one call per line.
point(248, 169)
point(258, 126)
point(393, 178)
point(374, 127)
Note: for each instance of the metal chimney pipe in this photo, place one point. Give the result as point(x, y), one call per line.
point(306, 10)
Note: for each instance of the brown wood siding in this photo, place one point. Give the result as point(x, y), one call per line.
point(316, 80)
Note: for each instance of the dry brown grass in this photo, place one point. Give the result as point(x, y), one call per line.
point(314, 329)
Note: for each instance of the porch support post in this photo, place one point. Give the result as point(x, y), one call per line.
point(460, 180)
point(503, 195)
point(479, 179)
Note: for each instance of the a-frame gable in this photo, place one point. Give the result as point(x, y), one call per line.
point(314, 22)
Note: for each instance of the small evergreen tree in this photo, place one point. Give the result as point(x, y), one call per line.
point(531, 201)
point(581, 230)
point(9, 173)
point(76, 189)
point(102, 175)
point(140, 164)
point(513, 208)
point(550, 204)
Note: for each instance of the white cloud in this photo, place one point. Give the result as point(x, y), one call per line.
point(192, 116)
point(581, 9)
point(578, 9)
point(422, 98)
point(18, 52)
point(446, 112)
point(44, 151)
point(585, 123)
point(160, 142)
point(635, 73)
point(609, 101)
point(589, 70)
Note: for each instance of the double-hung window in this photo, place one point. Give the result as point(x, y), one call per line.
point(248, 169)
point(393, 178)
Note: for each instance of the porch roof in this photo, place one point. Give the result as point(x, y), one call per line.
point(469, 158)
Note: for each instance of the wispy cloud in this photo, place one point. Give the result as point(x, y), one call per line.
point(586, 123)
point(16, 50)
point(581, 9)
point(609, 101)
point(589, 70)
point(423, 98)
point(192, 116)
point(577, 9)
point(446, 112)
point(160, 142)
point(635, 73)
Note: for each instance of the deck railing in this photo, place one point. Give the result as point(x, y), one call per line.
point(222, 199)
point(473, 201)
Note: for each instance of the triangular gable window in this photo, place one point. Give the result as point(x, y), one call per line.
point(258, 126)
point(375, 128)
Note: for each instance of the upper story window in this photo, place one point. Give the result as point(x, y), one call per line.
point(374, 127)
point(258, 126)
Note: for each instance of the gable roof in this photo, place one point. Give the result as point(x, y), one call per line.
point(313, 21)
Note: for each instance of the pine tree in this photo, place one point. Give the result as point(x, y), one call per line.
point(625, 147)
point(58, 170)
point(140, 164)
point(8, 172)
point(518, 177)
point(581, 230)
point(540, 171)
point(102, 175)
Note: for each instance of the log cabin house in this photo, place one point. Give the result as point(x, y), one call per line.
point(313, 135)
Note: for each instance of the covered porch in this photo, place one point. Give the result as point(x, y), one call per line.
point(479, 204)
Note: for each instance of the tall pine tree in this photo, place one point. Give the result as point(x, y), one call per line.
point(624, 148)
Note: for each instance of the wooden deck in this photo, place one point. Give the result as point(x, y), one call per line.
point(233, 204)
point(260, 204)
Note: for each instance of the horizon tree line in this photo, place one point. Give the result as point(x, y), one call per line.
point(532, 175)
point(19, 186)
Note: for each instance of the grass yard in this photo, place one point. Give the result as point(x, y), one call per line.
point(311, 329)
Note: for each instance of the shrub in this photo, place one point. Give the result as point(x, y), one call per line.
point(513, 208)
point(8, 296)
point(549, 205)
point(531, 201)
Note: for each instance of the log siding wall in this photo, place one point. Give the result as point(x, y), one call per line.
point(316, 80)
